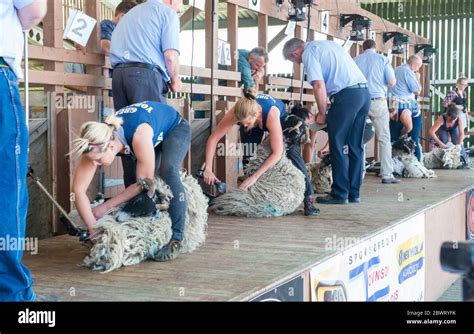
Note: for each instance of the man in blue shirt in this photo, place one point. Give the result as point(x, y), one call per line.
point(145, 53)
point(107, 27)
point(379, 73)
point(332, 73)
point(15, 280)
point(403, 98)
point(251, 66)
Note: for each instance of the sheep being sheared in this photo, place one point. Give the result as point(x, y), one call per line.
point(321, 175)
point(403, 154)
point(448, 158)
point(278, 192)
point(123, 238)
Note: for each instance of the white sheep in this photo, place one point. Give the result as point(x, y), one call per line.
point(138, 239)
point(278, 192)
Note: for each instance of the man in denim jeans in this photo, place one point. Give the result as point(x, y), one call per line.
point(16, 15)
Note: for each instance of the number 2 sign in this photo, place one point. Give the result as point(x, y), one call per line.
point(79, 27)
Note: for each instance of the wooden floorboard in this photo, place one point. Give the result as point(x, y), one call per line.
point(241, 256)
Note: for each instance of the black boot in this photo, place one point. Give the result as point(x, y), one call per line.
point(309, 208)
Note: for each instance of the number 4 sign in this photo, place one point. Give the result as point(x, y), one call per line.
point(325, 22)
point(79, 27)
point(254, 5)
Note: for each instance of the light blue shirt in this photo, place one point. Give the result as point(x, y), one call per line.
point(328, 61)
point(377, 70)
point(11, 35)
point(144, 34)
point(407, 84)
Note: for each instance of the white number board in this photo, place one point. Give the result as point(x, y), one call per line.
point(79, 27)
point(254, 5)
point(373, 35)
point(224, 57)
point(325, 19)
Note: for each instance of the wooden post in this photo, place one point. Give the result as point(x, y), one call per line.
point(211, 45)
point(232, 38)
point(263, 40)
point(297, 68)
point(52, 37)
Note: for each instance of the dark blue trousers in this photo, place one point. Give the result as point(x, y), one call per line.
point(169, 156)
point(346, 122)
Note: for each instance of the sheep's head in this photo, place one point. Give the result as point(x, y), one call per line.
point(148, 203)
point(295, 130)
point(404, 143)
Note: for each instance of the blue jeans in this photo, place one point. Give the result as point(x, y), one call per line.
point(15, 279)
point(416, 133)
point(346, 123)
point(169, 156)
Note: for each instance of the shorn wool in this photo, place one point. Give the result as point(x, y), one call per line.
point(278, 192)
point(449, 158)
point(138, 239)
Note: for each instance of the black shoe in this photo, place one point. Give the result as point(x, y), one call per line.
point(169, 252)
point(331, 200)
point(390, 180)
point(354, 199)
point(463, 166)
point(310, 209)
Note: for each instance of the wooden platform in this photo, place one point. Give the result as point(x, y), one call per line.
point(241, 257)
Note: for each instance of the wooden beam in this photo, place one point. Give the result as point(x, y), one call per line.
point(62, 55)
point(187, 17)
point(342, 7)
point(206, 73)
point(59, 78)
point(297, 68)
point(211, 45)
point(232, 38)
point(52, 37)
point(277, 39)
point(262, 23)
point(92, 8)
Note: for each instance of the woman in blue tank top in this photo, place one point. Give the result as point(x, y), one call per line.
point(153, 134)
point(447, 129)
point(257, 114)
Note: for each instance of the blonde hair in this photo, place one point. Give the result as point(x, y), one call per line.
point(95, 135)
point(461, 77)
point(247, 106)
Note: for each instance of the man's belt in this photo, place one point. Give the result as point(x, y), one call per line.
point(142, 65)
point(359, 85)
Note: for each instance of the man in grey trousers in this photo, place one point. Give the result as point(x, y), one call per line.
point(379, 73)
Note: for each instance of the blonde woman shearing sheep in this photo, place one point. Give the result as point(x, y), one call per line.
point(154, 135)
point(257, 114)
